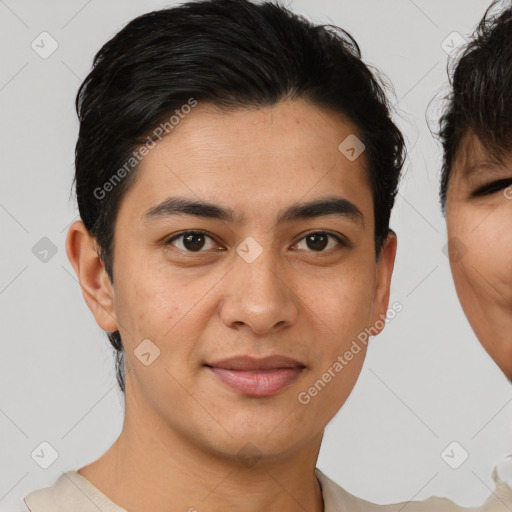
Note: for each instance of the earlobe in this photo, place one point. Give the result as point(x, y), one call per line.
point(97, 289)
point(384, 272)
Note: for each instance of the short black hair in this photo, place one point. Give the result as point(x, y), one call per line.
point(480, 100)
point(232, 54)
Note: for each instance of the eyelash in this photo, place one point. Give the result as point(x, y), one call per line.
point(491, 188)
point(341, 240)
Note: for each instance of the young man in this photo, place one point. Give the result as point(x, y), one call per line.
point(476, 186)
point(476, 192)
point(236, 168)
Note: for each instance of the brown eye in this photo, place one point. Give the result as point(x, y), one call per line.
point(191, 241)
point(319, 240)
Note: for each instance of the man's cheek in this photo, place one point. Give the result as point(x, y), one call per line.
point(492, 270)
point(342, 303)
point(503, 281)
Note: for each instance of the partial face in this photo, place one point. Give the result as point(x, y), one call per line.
point(216, 256)
point(479, 222)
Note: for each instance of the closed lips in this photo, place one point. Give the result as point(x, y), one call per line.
point(247, 363)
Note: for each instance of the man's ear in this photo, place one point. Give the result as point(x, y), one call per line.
point(383, 274)
point(96, 286)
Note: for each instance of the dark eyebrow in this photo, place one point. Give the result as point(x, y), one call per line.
point(183, 206)
point(331, 205)
point(319, 207)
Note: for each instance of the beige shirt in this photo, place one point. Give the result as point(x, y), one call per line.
point(71, 492)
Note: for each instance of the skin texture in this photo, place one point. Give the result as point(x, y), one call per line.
point(480, 241)
point(183, 427)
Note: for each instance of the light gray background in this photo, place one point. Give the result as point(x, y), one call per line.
point(426, 381)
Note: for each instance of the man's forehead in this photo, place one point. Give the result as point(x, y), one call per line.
point(202, 171)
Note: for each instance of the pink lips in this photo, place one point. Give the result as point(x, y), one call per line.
point(257, 377)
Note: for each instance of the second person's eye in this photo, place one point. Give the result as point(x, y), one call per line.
point(493, 187)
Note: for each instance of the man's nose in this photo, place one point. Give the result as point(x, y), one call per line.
point(259, 295)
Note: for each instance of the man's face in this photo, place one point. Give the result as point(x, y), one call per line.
point(256, 285)
point(479, 223)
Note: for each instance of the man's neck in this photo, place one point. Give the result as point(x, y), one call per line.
point(166, 473)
